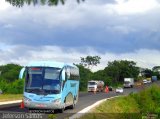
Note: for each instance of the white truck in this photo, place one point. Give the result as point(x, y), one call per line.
point(128, 82)
point(94, 86)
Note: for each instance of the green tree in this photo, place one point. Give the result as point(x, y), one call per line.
point(21, 3)
point(156, 71)
point(15, 87)
point(101, 75)
point(90, 61)
point(9, 72)
point(118, 70)
point(147, 73)
point(85, 76)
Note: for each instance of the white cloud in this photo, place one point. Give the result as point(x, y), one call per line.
point(122, 29)
point(124, 7)
point(8, 26)
point(4, 5)
point(73, 15)
point(124, 17)
point(24, 54)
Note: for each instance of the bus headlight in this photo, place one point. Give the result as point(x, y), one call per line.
point(57, 101)
point(26, 99)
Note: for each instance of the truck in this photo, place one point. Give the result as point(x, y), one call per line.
point(154, 78)
point(128, 82)
point(95, 86)
point(149, 80)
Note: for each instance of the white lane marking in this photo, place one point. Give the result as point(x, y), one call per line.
point(87, 109)
point(10, 102)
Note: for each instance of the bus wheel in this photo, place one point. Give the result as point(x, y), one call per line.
point(73, 105)
point(59, 110)
point(31, 110)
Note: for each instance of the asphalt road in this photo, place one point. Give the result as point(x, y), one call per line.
point(85, 100)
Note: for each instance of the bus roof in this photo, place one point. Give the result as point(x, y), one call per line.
point(49, 64)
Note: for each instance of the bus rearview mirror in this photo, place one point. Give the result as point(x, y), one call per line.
point(63, 75)
point(21, 73)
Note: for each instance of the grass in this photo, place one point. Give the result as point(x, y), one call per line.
point(10, 97)
point(120, 108)
point(134, 106)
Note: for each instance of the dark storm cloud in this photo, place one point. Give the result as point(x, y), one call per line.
point(95, 26)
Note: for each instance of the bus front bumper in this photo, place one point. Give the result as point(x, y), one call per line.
point(92, 89)
point(43, 105)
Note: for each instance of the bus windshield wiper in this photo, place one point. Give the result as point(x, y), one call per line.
point(40, 91)
point(35, 90)
point(52, 91)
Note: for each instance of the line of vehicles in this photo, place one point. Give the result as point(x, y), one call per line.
point(55, 85)
point(150, 79)
point(97, 86)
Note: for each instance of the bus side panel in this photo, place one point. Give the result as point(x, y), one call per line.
point(70, 92)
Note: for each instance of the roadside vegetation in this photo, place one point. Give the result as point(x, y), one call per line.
point(10, 97)
point(112, 75)
point(9, 82)
point(140, 105)
point(21, 3)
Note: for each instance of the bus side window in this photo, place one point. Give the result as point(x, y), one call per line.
point(65, 75)
point(26, 77)
point(63, 82)
point(67, 69)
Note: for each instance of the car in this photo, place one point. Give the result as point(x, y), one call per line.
point(110, 88)
point(119, 90)
point(145, 81)
point(149, 81)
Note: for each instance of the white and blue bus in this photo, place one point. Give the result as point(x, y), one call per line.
point(50, 85)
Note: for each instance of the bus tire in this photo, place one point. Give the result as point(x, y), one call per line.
point(59, 110)
point(31, 110)
point(73, 105)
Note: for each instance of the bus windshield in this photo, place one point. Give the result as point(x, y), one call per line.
point(91, 83)
point(43, 80)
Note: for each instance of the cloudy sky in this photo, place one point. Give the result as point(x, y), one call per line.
point(111, 29)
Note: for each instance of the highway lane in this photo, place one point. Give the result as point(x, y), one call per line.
point(85, 99)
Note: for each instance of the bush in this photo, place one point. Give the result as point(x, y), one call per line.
point(15, 87)
point(148, 100)
point(10, 72)
point(3, 85)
